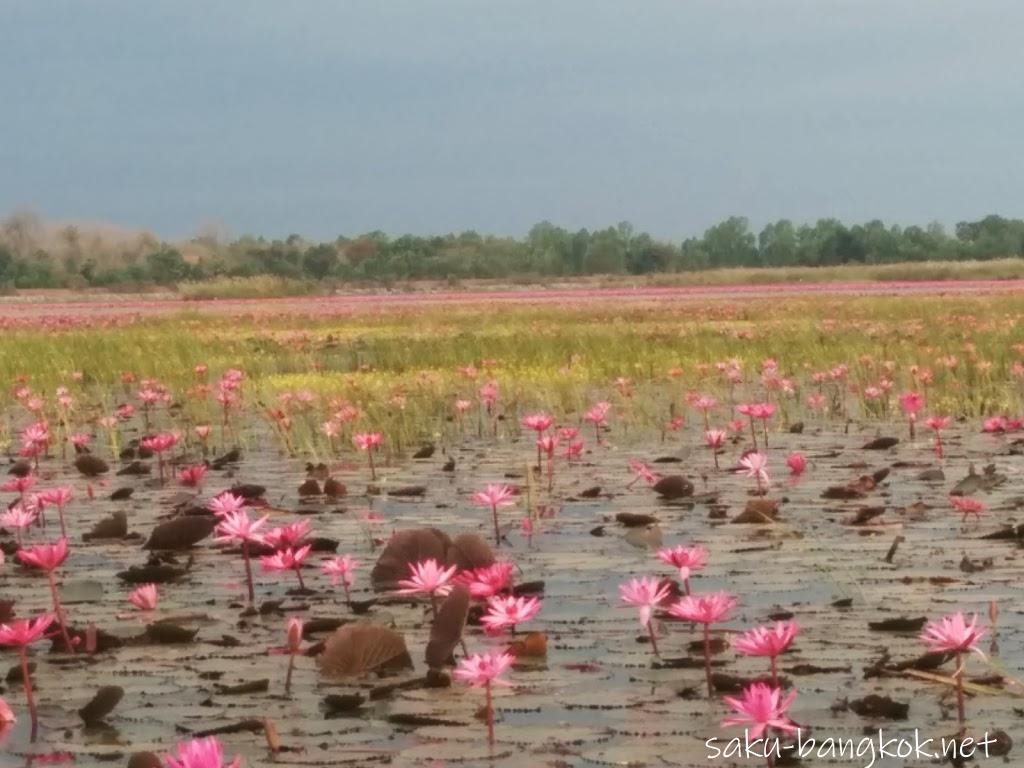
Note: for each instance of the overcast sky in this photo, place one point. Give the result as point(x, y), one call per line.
point(337, 117)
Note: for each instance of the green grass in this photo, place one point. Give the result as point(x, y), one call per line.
point(400, 366)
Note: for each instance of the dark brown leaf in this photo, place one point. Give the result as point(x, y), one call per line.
point(181, 532)
point(357, 649)
point(404, 548)
point(448, 627)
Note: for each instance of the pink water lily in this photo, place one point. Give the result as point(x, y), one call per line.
point(646, 593)
point(494, 497)
point(705, 610)
point(714, 439)
point(47, 558)
point(428, 577)
point(236, 527)
point(508, 611)
point(144, 597)
point(340, 569)
point(954, 634)
point(686, 559)
point(482, 670)
point(200, 753)
point(768, 641)
point(755, 464)
point(759, 709)
point(488, 580)
point(225, 503)
point(967, 506)
point(287, 560)
point(21, 634)
point(369, 442)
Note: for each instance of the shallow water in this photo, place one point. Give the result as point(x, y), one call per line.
point(619, 709)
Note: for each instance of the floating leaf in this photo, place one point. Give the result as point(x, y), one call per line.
point(357, 649)
point(447, 629)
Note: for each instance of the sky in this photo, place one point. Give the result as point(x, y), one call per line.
point(330, 117)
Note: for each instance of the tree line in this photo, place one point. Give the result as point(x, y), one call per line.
point(71, 258)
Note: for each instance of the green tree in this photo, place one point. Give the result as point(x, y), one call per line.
point(730, 243)
point(167, 266)
point(320, 260)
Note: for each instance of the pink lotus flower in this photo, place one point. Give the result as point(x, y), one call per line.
point(200, 753)
point(226, 503)
point(287, 560)
point(369, 442)
point(953, 634)
point(686, 559)
point(704, 403)
point(235, 526)
point(21, 634)
point(967, 506)
point(159, 444)
point(538, 422)
point(482, 670)
point(192, 477)
point(761, 708)
point(714, 439)
point(57, 497)
point(488, 395)
point(706, 610)
point(767, 641)
point(428, 577)
point(641, 472)
point(46, 557)
point(647, 593)
point(202, 432)
point(598, 416)
point(366, 441)
point(937, 423)
point(144, 598)
point(910, 404)
point(796, 463)
point(238, 527)
point(995, 424)
point(19, 485)
point(18, 517)
point(495, 496)
point(24, 632)
point(487, 581)
point(573, 450)
point(291, 535)
point(755, 465)
point(340, 569)
point(763, 411)
point(293, 646)
point(6, 714)
point(508, 612)
point(294, 634)
point(547, 444)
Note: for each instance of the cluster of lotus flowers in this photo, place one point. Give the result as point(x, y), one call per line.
point(491, 584)
point(763, 704)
